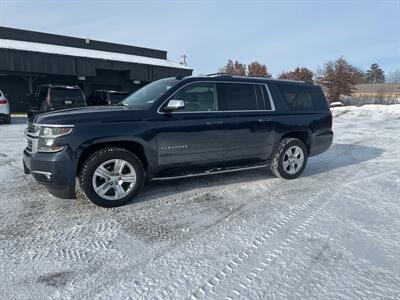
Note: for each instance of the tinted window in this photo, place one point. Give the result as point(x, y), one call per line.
point(66, 94)
point(199, 96)
point(237, 96)
point(116, 97)
point(42, 93)
point(147, 95)
point(300, 98)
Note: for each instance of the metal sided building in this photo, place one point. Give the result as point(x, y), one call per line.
point(29, 59)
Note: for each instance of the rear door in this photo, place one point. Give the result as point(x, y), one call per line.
point(193, 136)
point(249, 128)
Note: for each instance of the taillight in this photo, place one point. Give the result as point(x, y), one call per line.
point(3, 101)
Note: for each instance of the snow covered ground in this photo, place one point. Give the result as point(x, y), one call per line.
point(334, 233)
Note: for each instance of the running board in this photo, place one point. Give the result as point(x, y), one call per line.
point(210, 172)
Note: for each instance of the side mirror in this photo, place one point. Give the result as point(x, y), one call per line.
point(175, 105)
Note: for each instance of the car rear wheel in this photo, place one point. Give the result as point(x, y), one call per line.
point(290, 159)
point(111, 177)
point(8, 120)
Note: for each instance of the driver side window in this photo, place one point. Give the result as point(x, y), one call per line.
point(200, 96)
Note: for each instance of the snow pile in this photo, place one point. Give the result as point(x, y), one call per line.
point(371, 111)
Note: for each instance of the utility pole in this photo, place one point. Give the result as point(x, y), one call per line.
point(184, 62)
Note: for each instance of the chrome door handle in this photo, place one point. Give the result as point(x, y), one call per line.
point(214, 122)
point(265, 120)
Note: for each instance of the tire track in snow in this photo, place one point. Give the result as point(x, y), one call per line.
point(233, 265)
point(241, 258)
point(262, 264)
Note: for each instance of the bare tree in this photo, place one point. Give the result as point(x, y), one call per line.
point(393, 76)
point(339, 78)
point(302, 74)
point(257, 69)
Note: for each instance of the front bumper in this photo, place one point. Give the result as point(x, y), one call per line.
point(56, 171)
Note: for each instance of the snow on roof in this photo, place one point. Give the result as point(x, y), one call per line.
point(80, 52)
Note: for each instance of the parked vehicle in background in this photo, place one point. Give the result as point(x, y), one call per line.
point(106, 97)
point(5, 116)
point(179, 127)
point(336, 104)
point(51, 97)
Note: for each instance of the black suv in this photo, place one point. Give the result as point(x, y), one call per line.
point(106, 97)
point(49, 97)
point(179, 127)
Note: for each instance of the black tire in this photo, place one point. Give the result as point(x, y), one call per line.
point(7, 120)
point(86, 174)
point(277, 167)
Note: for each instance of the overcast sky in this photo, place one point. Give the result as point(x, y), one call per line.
point(280, 34)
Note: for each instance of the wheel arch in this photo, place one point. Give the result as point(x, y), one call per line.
point(303, 136)
point(136, 147)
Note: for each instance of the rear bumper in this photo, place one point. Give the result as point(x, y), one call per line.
point(56, 171)
point(321, 142)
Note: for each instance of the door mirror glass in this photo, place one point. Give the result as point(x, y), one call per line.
point(174, 104)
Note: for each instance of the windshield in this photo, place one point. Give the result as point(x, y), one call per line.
point(147, 95)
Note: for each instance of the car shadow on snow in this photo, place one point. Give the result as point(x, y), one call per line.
point(339, 155)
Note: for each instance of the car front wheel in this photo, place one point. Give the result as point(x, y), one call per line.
point(290, 159)
point(111, 177)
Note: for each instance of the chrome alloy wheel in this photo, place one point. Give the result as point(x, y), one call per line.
point(293, 160)
point(114, 179)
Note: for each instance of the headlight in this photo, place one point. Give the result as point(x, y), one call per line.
point(48, 135)
point(54, 132)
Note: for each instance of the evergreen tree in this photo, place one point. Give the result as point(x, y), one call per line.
point(375, 74)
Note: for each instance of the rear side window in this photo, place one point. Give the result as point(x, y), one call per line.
point(237, 96)
point(66, 94)
point(303, 98)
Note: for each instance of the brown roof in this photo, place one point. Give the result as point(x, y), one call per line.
point(390, 88)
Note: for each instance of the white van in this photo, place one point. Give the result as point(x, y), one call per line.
point(4, 109)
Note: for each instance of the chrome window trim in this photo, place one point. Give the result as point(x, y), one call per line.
point(53, 125)
point(218, 111)
point(271, 101)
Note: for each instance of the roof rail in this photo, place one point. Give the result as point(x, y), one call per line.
point(218, 74)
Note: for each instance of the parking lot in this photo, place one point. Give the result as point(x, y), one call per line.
point(333, 233)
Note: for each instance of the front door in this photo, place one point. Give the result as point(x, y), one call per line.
point(194, 135)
